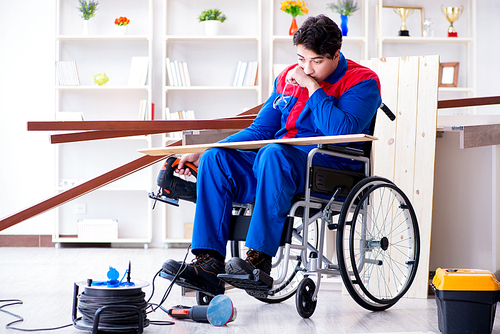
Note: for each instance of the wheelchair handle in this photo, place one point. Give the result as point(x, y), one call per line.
point(388, 112)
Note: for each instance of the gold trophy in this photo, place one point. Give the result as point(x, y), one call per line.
point(403, 14)
point(452, 14)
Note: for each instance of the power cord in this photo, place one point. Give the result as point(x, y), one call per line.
point(88, 305)
point(11, 302)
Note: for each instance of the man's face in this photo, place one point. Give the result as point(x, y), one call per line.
point(317, 67)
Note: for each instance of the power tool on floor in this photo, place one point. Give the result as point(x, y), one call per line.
point(171, 188)
point(219, 312)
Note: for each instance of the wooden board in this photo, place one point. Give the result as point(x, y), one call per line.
point(405, 150)
point(256, 144)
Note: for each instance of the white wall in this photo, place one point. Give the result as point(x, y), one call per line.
point(26, 93)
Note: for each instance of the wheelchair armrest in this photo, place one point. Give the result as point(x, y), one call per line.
point(342, 149)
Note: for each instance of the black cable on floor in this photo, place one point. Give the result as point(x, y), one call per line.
point(89, 304)
point(11, 302)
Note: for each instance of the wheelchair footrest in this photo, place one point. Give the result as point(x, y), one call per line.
point(256, 284)
point(187, 284)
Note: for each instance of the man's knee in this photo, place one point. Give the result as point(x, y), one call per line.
point(276, 155)
point(212, 156)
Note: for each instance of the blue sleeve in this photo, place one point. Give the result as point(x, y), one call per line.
point(349, 114)
point(265, 125)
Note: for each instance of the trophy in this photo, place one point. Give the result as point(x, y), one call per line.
point(452, 14)
point(403, 14)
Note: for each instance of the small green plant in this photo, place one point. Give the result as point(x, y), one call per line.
point(344, 7)
point(87, 8)
point(212, 14)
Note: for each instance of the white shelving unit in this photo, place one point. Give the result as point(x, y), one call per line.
point(211, 93)
point(101, 51)
point(281, 51)
point(449, 48)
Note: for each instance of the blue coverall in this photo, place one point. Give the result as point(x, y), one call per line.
point(345, 104)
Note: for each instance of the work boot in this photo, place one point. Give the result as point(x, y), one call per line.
point(254, 260)
point(202, 271)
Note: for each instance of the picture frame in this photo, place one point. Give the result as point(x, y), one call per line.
point(410, 25)
point(448, 74)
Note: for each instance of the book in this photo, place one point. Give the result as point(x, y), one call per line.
point(142, 110)
point(138, 75)
point(236, 73)
point(186, 74)
point(251, 74)
point(169, 72)
point(181, 73)
point(67, 73)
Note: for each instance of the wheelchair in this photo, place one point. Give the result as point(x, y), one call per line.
point(377, 239)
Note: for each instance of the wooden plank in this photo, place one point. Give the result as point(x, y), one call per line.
point(383, 152)
point(480, 135)
point(165, 126)
point(468, 102)
point(79, 190)
point(406, 125)
point(423, 179)
point(97, 135)
point(256, 144)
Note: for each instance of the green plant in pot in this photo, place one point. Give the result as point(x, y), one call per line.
point(212, 18)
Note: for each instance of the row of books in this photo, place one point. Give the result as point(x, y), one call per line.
point(246, 73)
point(178, 73)
point(67, 72)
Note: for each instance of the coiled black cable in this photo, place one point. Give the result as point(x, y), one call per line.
point(122, 318)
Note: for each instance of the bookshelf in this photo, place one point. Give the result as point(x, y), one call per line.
point(460, 49)
point(103, 51)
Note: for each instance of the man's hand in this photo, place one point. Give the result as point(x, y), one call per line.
point(190, 157)
point(298, 77)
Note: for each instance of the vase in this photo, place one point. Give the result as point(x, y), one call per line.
point(120, 30)
point(212, 27)
point(293, 27)
point(85, 28)
point(343, 25)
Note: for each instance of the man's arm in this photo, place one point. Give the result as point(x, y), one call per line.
point(350, 114)
point(265, 125)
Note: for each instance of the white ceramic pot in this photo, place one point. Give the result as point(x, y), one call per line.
point(212, 27)
point(121, 30)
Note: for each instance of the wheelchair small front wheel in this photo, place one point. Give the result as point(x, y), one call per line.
point(304, 301)
point(202, 298)
point(378, 243)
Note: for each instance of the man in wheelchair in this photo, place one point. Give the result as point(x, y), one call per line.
point(323, 94)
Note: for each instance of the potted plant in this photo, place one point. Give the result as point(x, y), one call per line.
point(212, 19)
point(294, 8)
point(87, 9)
point(121, 25)
point(345, 8)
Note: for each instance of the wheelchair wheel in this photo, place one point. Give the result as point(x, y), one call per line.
point(286, 289)
point(378, 243)
point(304, 298)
